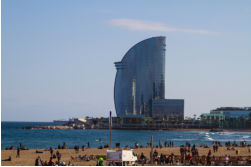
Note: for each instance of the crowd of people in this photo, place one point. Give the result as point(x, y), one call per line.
point(189, 155)
point(40, 162)
point(53, 155)
point(188, 159)
point(160, 145)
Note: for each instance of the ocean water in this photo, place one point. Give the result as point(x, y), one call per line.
point(13, 134)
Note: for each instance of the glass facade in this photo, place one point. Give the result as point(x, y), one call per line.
point(140, 78)
point(168, 108)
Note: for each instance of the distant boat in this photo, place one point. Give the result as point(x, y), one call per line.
point(62, 121)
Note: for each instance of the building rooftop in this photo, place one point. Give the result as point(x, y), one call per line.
point(232, 108)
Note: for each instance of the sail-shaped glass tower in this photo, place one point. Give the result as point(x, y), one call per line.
point(140, 78)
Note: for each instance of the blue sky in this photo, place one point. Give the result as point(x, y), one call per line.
point(57, 56)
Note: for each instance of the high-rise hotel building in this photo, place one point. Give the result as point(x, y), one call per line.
point(139, 88)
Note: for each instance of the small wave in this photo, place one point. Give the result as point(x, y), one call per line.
point(98, 140)
point(183, 139)
point(245, 137)
point(211, 139)
point(231, 140)
point(228, 133)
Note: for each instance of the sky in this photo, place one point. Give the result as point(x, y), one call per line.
point(57, 56)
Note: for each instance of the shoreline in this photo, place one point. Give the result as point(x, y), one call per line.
point(63, 127)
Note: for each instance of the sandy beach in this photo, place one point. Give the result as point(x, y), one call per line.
point(27, 157)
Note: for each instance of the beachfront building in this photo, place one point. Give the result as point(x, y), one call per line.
point(168, 108)
point(228, 117)
point(139, 89)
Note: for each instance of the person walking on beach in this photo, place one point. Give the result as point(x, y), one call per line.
point(88, 144)
point(64, 146)
point(58, 156)
point(216, 147)
point(51, 151)
point(18, 152)
point(160, 144)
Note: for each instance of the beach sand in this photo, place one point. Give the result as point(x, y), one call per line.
point(27, 157)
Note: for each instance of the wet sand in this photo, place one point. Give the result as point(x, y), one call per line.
point(27, 157)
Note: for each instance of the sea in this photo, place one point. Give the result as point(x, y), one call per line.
point(13, 134)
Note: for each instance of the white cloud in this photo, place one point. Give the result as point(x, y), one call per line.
point(140, 25)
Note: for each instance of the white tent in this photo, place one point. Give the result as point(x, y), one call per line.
point(125, 157)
